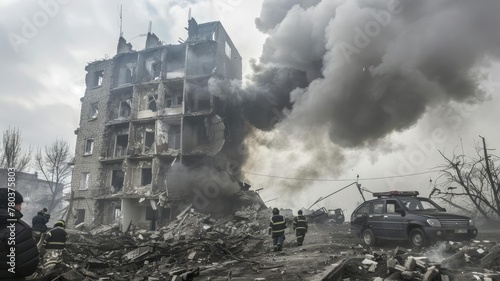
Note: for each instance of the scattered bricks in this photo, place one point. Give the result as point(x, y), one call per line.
point(455, 261)
point(430, 274)
point(493, 255)
point(410, 264)
point(400, 251)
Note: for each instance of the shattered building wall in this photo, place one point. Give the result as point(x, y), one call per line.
point(147, 122)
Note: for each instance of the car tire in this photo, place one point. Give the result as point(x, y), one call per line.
point(417, 238)
point(368, 238)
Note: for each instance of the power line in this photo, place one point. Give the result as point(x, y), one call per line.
point(338, 180)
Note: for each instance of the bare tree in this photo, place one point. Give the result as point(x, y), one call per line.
point(472, 182)
point(53, 162)
point(12, 154)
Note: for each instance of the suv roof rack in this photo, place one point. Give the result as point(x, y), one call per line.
point(395, 193)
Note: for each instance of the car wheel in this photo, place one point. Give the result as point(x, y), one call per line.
point(368, 237)
point(417, 238)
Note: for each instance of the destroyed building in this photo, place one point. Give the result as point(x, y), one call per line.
point(147, 122)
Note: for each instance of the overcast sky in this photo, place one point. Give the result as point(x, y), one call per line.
point(45, 46)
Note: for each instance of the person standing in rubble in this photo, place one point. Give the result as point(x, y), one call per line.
point(39, 223)
point(55, 242)
point(46, 214)
point(300, 227)
point(277, 227)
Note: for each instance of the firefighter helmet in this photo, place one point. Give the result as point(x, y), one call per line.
point(276, 211)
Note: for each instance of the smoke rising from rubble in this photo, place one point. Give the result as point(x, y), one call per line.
point(211, 190)
point(413, 56)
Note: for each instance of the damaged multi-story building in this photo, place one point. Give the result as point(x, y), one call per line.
point(149, 128)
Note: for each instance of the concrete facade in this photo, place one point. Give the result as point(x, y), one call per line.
point(145, 116)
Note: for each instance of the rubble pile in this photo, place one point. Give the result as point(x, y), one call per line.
point(478, 260)
point(190, 245)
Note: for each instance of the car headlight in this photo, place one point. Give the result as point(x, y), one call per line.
point(434, 222)
point(471, 222)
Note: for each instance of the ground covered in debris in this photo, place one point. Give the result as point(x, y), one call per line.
point(237, 247)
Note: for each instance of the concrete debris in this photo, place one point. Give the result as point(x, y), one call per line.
point(191, 244)
point(195, 246)
point(493, 255)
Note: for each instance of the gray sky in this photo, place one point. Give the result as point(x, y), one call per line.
point(333, 130)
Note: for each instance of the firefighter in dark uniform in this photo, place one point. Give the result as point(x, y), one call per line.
point(300, 227)
point(55, 242)
point(277, 227)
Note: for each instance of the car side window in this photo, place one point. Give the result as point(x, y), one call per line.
point(365, 209)
point(393, 207)
point(378, 207)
